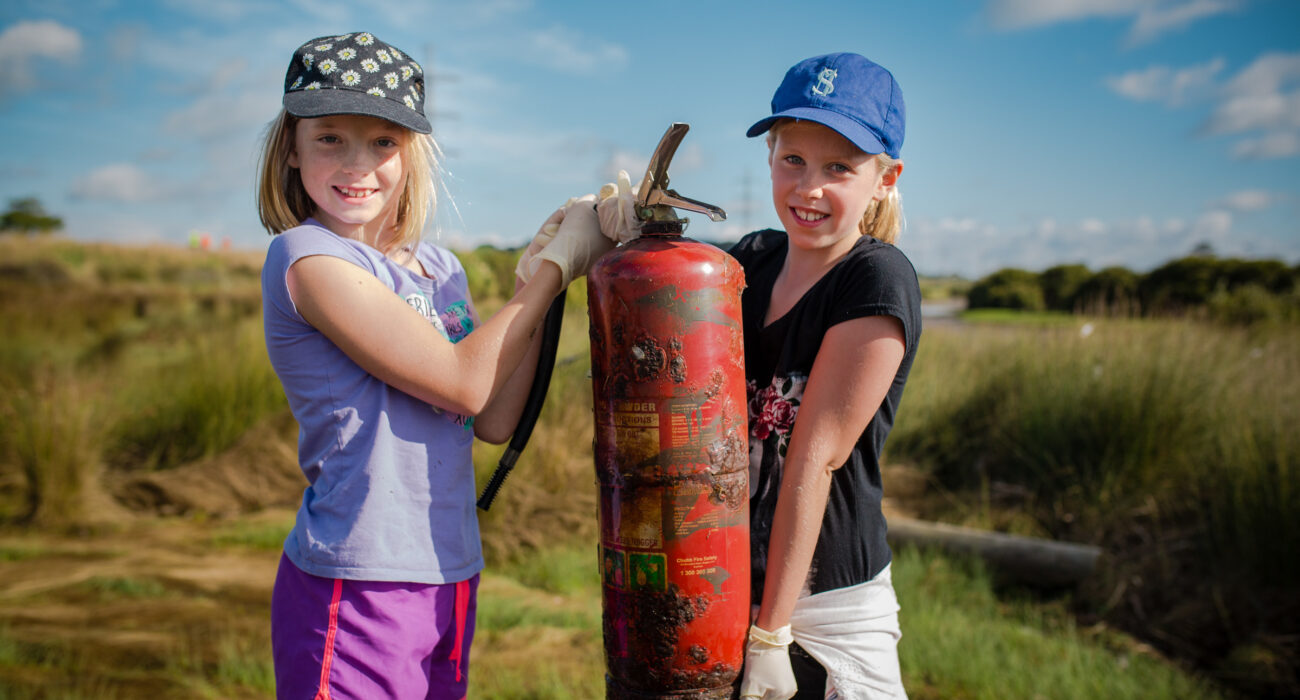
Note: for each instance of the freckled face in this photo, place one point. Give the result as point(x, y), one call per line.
point(351, 167)
point(821, 186)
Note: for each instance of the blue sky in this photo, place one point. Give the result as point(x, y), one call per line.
point(1104, 132)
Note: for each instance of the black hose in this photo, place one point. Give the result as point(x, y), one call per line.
point(533, 405)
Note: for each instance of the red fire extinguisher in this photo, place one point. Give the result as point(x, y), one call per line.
point(668, 379)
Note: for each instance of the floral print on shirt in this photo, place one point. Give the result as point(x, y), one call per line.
point(454, 323)
point(773, 408)
point(772, 412)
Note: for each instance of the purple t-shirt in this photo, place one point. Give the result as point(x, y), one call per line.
point(391, 480)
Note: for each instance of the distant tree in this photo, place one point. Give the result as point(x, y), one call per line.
point(1113, 291)
point(1009, 288)
point(1202, 250)
point(1272, 275)
point(1060, 284)
point(1181, 284)
point(26, 215)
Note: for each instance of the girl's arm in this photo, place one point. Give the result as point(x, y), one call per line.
point(497, 422)
point(393, 342)
point(850, 378)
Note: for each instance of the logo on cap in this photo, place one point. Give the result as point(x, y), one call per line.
point(825, 82)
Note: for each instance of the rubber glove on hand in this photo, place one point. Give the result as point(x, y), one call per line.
point(768, 675)
point(577, 243)
point(617, 210)
point(524, 269)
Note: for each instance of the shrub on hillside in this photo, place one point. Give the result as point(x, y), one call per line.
point(491, 272)
point(1061, 284)
point(1112, 291)
point(1009, 288)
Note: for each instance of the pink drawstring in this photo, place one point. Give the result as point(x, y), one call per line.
point(462, 612)
point(323, 693)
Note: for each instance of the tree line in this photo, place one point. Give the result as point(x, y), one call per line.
point(1229, 289)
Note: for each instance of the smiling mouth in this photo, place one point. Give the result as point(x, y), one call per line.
point(809, 216)
point(354, 191)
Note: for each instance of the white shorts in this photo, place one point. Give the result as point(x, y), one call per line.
point(853, 632)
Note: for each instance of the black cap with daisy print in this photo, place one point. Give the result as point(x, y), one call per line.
point(356, 74)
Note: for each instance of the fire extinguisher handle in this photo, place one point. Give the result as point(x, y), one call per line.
point(532, 405)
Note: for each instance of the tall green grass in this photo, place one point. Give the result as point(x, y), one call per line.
point(1095, 422)
point(120, 358)
point(961, 640)
point(1170, 443)
point(49, 448)
point(196, 404)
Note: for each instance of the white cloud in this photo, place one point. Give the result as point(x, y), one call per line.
point(1270, 73)
point(1024, 14)
point(23, 42)
point(1279, 144)
point(565, 50)
point(1155, 20)
point(1264, 96)
point(120, 229)
point(1167, 85)
point(1092, 226)
point(215, 115)
point(487, 11)
point(974, 248)
point(633, 163)
point(1263, 102)
point(121, 182)
point(1151, 18)
point(1248, 200)
point(1256, 112)
point(222, 10)
point(1260, 104)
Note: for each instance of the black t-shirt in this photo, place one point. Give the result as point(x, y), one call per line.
point(873, 279)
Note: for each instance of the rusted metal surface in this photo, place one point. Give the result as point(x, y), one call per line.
point(672, 461)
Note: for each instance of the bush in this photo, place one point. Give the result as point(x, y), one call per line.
point(1061, 285)
point(1252, 303)
point(490, 272)
point(1112, 291)
point(1009, 288)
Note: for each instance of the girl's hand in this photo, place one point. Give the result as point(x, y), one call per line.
point(617, 210)
point(768, 675)
point(525, 268)
point(577, 243)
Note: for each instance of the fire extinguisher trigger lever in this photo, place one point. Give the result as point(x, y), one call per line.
point(655, 202)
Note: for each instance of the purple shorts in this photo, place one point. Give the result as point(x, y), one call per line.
point(341, 639)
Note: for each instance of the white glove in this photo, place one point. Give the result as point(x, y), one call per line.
point(524, 269)
point(577, 243)
point(768, 675)
point(617, 210)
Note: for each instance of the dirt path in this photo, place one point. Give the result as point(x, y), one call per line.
point(143, 607)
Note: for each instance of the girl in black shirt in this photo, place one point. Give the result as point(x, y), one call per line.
point(831, 323)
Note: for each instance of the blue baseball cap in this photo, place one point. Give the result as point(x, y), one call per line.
point(846, 92)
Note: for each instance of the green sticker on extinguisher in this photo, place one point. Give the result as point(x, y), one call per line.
point(648, 571)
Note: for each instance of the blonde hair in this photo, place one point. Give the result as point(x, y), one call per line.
point(283, 202)
point(883, 219)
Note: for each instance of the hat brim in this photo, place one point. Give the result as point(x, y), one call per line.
point(857, 134)
point(326, 102)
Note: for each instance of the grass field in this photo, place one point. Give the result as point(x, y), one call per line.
point(147, 478)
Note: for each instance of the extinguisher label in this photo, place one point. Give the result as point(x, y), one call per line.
point(634, 571)
point(636, 431)
point(648, 572)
